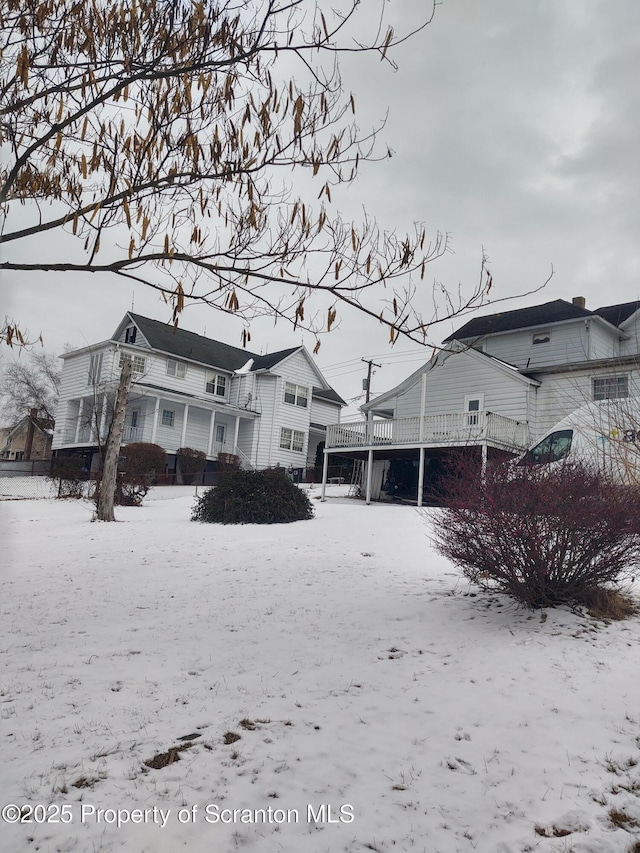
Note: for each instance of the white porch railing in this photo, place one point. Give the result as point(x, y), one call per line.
point(132, 435)
point(455, 429)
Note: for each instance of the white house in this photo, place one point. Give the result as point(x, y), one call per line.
point(498, 383)
point(191, 391)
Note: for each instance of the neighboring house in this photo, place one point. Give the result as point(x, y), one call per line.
point(191, 391)
point(498, 383)
point(29, 440)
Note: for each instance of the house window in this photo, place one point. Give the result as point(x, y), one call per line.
point(19, 455)
point(291, 439)
point(611, 388)
point(216, 384)
point(95, 367)
point(176, 368)
point(296, 395)
point(137, 361)
point(168, 417)
point(130, 335)
point(541, 337)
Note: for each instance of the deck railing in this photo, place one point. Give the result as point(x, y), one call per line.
point(455, 429)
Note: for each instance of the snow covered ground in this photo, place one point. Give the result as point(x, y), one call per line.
point(336, 663)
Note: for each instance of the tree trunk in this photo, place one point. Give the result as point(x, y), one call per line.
point(110, 469)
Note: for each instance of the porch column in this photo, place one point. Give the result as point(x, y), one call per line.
point(369, 475)
point(154, 428)
point(325, 472)
point(421, 476)
point(78, 422)
point(183, 437)
point(93, 426)
point(103, 420)
point(235, 433)
point(484, 461)
point(212, 423)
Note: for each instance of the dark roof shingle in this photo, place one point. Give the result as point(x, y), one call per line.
point(184, 344)
point(617, 314)
point(521, 318)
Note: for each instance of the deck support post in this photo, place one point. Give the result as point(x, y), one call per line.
point(421, 476)
point(484, 461)
point(369, 475)
point(325, 471)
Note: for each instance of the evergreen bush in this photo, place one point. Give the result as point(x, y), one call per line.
point(253, 497)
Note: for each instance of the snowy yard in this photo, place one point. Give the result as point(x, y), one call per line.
point(337, 662)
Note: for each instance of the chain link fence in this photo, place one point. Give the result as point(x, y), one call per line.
point(21, 479)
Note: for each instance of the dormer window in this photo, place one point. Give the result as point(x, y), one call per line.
point(541, 337)
point(130, 335)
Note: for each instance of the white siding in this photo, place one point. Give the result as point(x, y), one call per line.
point(460, 375)
point(324, 412)
point(246, 434)
point(603, 343)
point(568, 343)
point(198, 424)
point(166, 436)
point(266, 393)
point(633, 330)
point(561, 393)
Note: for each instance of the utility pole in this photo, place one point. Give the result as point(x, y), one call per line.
point(367, 381)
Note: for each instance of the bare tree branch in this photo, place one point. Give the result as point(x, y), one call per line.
point(181, 143)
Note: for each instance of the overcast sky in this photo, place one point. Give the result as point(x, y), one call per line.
point(515, 127)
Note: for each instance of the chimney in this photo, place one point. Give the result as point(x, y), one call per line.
point(579, 301)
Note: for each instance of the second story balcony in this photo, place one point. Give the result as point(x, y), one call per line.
point(457, 429)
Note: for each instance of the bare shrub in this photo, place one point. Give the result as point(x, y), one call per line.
point(192, 463)
point(544, 537)
point(68, 472)
point(139, 464)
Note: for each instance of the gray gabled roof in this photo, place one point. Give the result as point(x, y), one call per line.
point(265, 362)
point(617, 314)
point(188, 345)
point(328, 394)
point(521, 318)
